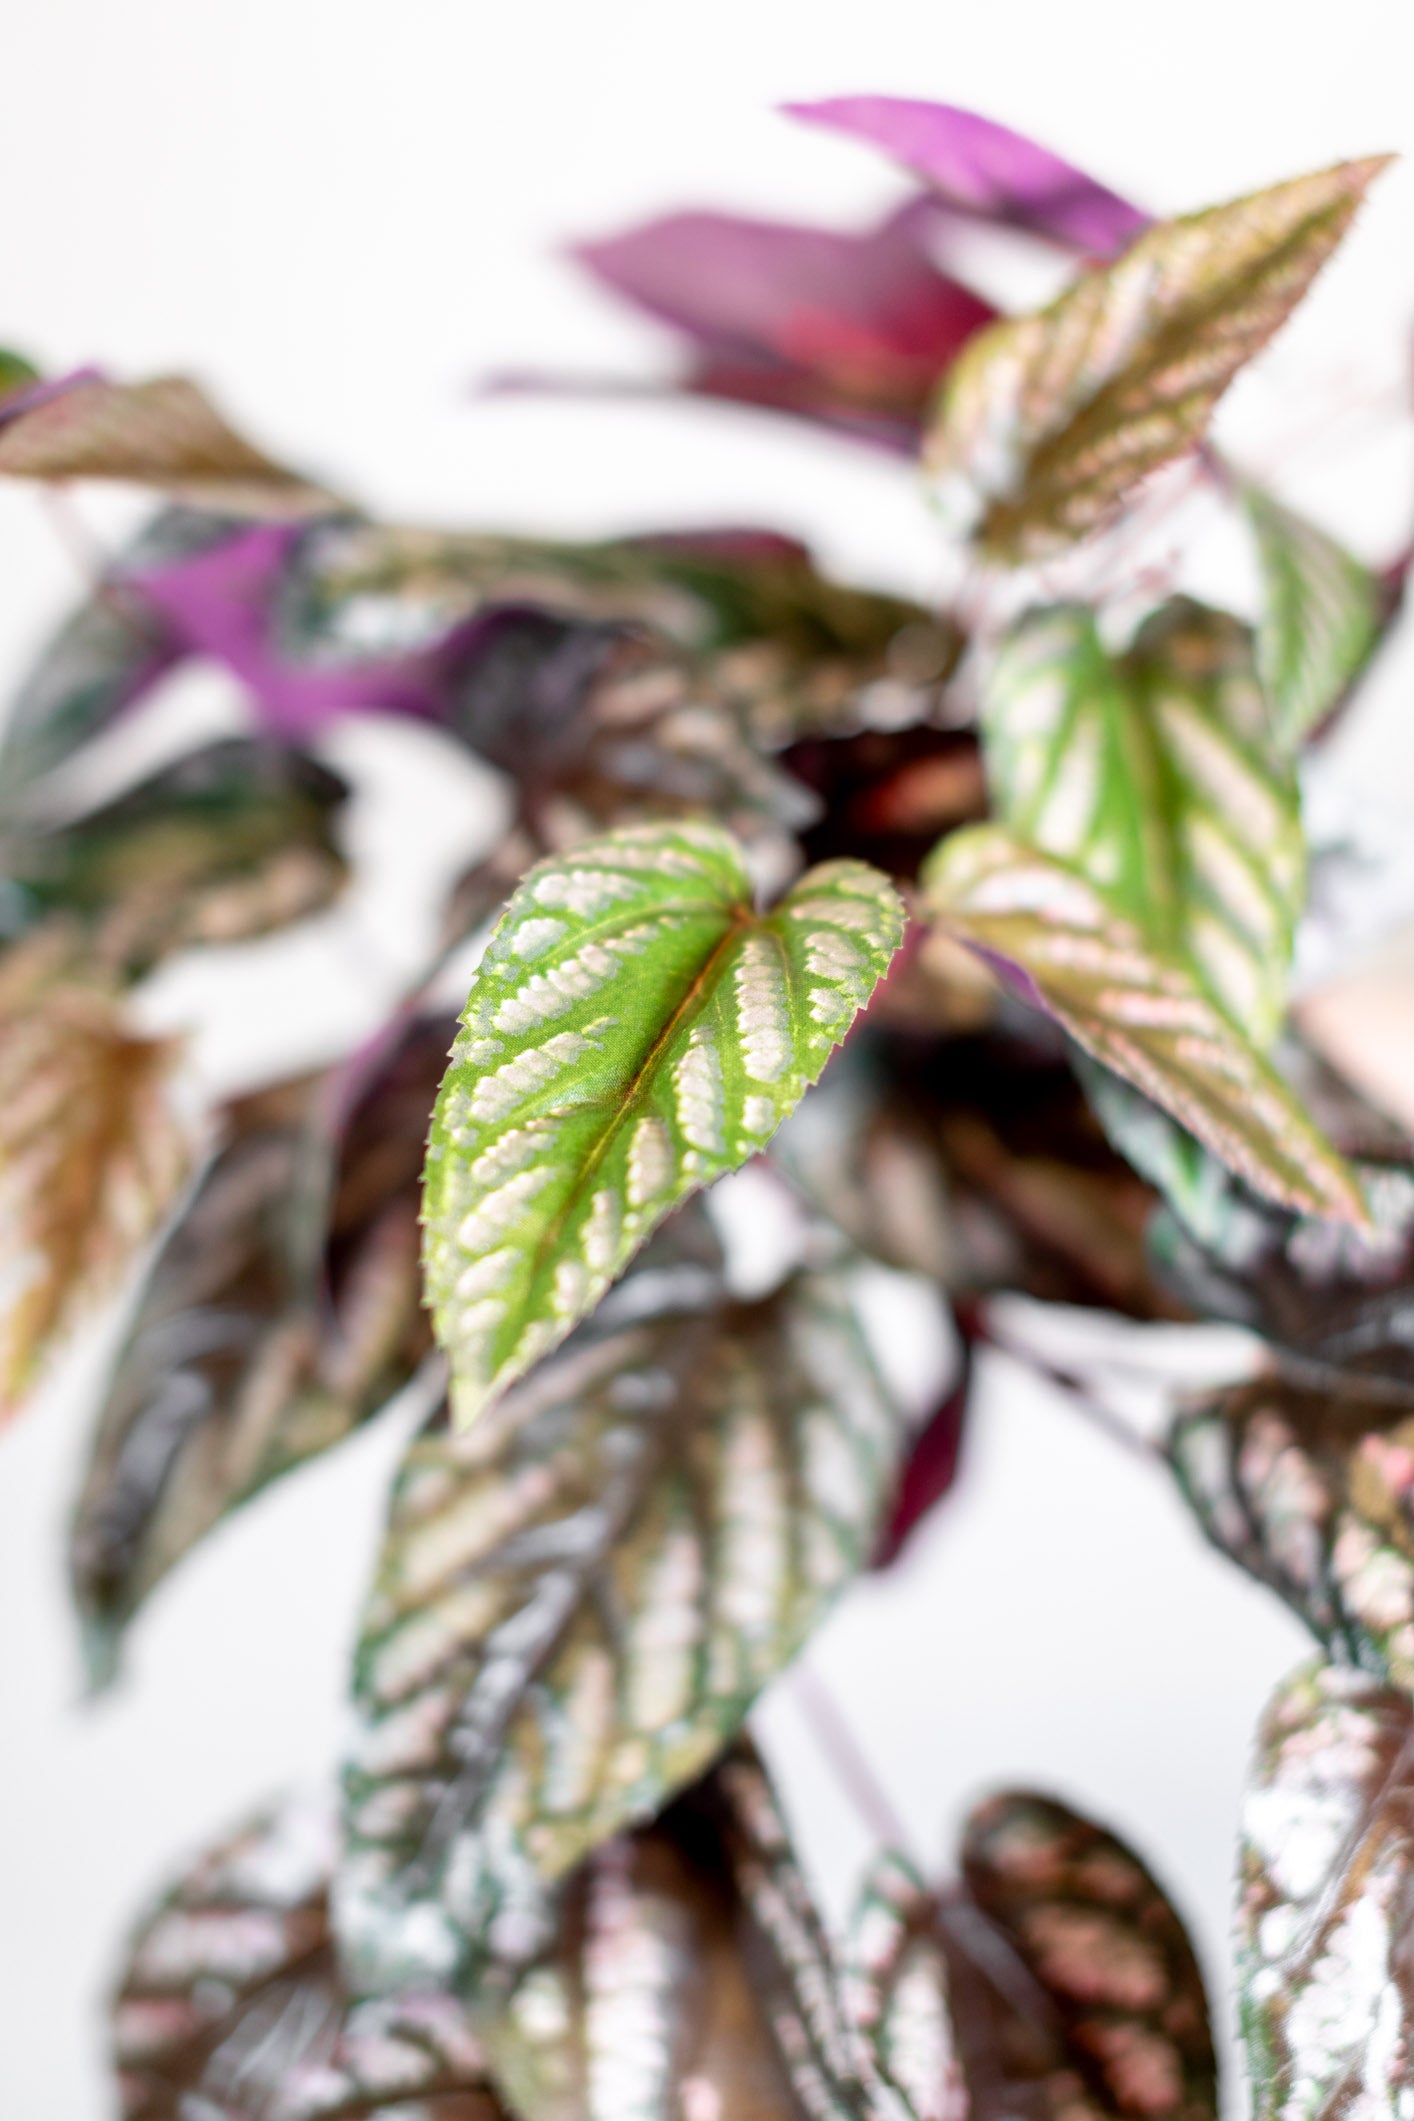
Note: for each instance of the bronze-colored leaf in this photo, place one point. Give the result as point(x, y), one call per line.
point(231, 2006)
point(1327, 1877)
point(91, 1155)
point(581, 1595)
point(165, 433)
point(283, 1309)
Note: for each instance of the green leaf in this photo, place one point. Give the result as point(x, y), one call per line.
point(227, 844)
point(1154, 774)
point(580, 1597)
point(635, 1030)
point(1312, 1492)
point(1327, 2000)
point(1048, 420)
point(1320, 620)
point(689, 1973)
point(281, 1311)
point(16, 373)
point(231, 2002)
point(1069, 950)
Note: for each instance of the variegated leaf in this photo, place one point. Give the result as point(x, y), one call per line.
point(689, 1976)
point(1048, 420)
point(901, 1991)
point(232, 2008)
point(580, 1597)
point(226, 844)
point(1320, 618)
point(1327, 1995)
point(1156, 776)
point(1312, 1492)
point(1070, 950)
point(635, 1030)
point(165, 433)
point(283, 1309)
point(91, 1155)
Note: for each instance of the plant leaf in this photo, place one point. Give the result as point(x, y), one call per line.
point(165, 433)
point(283, 1310)
point(228, 843)
point(1320, 620)
point(1048, 420)
point(634, 1031)
point(580, 1597)
point(231, 2003)
point(91, 1154)
point(689, 1972)
point(1313, 1494)
point(1323, 1923)
point(1156, 776)
point(1070, 951)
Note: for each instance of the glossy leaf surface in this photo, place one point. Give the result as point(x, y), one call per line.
point(232, 2008)
point(1323, 1921)
point(1048, 420)
point(635, 1030)
point(165, 433)
point(1320, 617)
point(1155, 775)
point(1067, 948)
point(283, 1309)
point(91, 1154)
point(580, 1596)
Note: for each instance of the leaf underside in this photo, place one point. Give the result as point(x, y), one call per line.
point(580, 1597)
point(634, 1031)
point(1048, 420)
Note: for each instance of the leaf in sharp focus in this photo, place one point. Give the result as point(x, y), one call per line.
point(283, 1310)
point(232, 2007)
point(635, 1030)
point(1156, 775)
point(689, 1975)
point(165, 433)
point(1067, 949)
point(1100, 1939)
point(1048, 420)
point(91, 1155)
point(223, 846)
point(1327, 1996)
point(580, 1597)
point(1320, 618)
point(1312, 1492)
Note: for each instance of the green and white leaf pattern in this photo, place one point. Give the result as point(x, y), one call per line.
point(1070, 951)
point(1320, 617)
point(635, 1030)
point(580, 1597)
point(1047, 421)
point(1327, 1998)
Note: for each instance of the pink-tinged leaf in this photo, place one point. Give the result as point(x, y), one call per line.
point(828, 324)
point(979, 167)
point(231, 2005)
point(1327, 1994)
point(1066, 947)
point(165, 433)
point(1047, 421)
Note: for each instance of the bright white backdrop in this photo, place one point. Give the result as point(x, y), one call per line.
point(337, 213)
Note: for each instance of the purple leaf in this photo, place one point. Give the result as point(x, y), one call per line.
point(984, 169)
point(826, 323)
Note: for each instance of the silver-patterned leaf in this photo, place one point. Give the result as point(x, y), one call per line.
point(1327, 1988)
point(231, 2006)
point(636, 1029)
point(1320, 617)
point(1068, 949)
point(580, 1597)
point(1047, 421)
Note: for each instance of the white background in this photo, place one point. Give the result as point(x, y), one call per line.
point(338, 212)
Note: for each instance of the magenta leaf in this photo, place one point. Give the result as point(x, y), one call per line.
point(984, 169)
